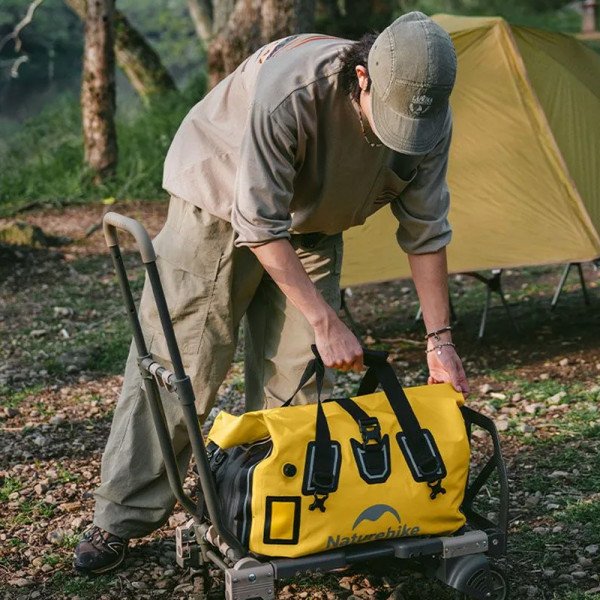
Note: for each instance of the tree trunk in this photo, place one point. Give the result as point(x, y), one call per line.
point(201, 12)
point(251, 24)
point(135, 56)
point(98, 90)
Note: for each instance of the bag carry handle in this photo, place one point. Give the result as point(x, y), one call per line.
point(379, 372)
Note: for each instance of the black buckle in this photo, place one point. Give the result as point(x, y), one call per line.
point(436, 489)
point(370, 432)
point(319, 502)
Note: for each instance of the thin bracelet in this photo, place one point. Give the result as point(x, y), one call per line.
point(439, 346)
point(436, 333)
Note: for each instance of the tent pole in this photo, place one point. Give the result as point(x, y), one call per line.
point(493, 284)
point(563, 279)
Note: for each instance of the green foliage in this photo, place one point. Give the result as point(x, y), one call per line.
point(44, 161)
point(9, 485)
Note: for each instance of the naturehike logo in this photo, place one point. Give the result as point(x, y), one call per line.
point(419, 105)
point(374, 513)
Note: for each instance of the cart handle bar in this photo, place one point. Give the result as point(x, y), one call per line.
point(113, 221)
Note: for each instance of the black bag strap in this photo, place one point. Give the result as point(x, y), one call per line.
point(381, 372)
point(324, 462)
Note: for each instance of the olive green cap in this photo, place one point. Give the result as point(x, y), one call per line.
point(412, 66)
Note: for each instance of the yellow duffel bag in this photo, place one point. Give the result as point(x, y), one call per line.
point(297, 480)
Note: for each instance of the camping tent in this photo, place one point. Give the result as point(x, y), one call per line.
point(524, 169)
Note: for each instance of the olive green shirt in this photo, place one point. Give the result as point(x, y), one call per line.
point(277, 147)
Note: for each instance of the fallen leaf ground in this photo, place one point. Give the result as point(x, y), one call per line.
point(62, 346)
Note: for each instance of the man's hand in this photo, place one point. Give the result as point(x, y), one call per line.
point(446, 366)
point(337, 345)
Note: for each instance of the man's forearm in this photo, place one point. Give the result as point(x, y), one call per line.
point(430, 274)
point(283, 265)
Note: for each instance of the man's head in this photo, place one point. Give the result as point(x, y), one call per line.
point(405, 86)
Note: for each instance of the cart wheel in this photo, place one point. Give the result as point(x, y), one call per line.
point(499, 586)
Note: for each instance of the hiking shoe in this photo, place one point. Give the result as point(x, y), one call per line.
point(99, 551)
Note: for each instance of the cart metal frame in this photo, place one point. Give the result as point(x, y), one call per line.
point(461, 561)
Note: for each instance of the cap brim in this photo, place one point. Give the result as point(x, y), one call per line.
point(405, 134)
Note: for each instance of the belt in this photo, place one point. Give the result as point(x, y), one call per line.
point(310, 240)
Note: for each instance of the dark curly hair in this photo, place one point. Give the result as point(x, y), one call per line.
point(357, 53)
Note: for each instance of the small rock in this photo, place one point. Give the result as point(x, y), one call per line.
point(72, 369)
point(40, 489)
point(526, 428)
point(37, 562)
point(585, 562)
point(558, 474)
point(56, 536)
point(544, 376)
point(498, 395)
point(63, 311)
point(579, 574)
point(40, 440)
point(64, 334)
point(540, 530)
point(46, 567)
point(556, 398)
point(77, 522)
point(565, 578)
point(20, 582)
point(552, 506)
point(516, 397)
point(549, 573)
point(533, 500)
point(57, 419)
point(557, 528)
point(139, 585)
point(37, 333)
point(14, 496)
point(592, 549)
point(532, 591)
point(502, 425)
point(486, 388)
point(563, 362)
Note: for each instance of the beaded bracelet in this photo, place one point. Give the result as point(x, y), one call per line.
point(438, 346)
point(436, 333)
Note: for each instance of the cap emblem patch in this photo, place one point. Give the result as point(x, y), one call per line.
point(419, 105)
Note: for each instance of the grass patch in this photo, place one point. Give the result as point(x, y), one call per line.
point(12, 398)
point(43, 161)
point(586, 515)
point(9, 486)
point(30, 510)
point(83, 587)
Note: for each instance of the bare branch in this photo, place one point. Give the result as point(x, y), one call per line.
point(14, 70)
point(14, 34)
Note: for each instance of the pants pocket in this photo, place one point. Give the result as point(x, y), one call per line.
point(188, 300)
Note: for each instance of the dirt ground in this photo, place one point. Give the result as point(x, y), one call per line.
point(63, 340)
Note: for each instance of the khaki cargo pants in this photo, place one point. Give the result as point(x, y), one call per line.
point(209, 285)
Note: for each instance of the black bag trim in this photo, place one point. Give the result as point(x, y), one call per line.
point(378, 457)
point(402, 440)
point(372, 454)
point(308, 484)
point(270, 500)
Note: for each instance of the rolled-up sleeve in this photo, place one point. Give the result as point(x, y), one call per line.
point(422, 208)
point(265, 178)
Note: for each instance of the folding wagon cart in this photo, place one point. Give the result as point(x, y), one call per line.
point(463, 561)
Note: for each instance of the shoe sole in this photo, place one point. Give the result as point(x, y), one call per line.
point(102, 569)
